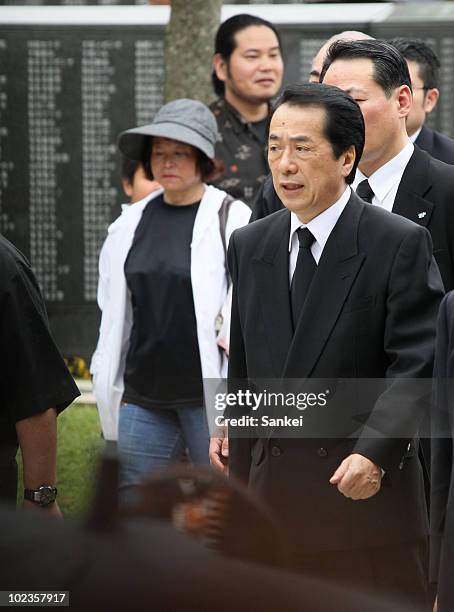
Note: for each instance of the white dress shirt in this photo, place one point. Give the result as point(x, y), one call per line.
point(385, 181)
point(320, 227)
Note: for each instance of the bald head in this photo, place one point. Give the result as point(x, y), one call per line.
point(318, 60)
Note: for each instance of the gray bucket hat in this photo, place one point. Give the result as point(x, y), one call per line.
point(188, 121)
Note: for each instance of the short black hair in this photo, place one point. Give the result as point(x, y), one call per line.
point(344, 123)
point(225, 43)
point(416, 50)
point(205, 165)
point(390, 67)
point(129, 168)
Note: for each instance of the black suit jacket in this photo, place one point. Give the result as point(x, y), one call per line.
point(425, 195)
point(442, 472)
point(438, 145)
point(370, 313)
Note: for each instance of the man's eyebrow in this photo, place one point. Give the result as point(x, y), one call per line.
point(300, 138)
point(253, 50)
point(352, 90)
point(295, 138)
point(315, 73)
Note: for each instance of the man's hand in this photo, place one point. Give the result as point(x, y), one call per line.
point(357, 477)
point(219, 454)
point(51, 510)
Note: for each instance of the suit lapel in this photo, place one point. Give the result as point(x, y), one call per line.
point(272, 283)
point(415, 183)
point(335, 275)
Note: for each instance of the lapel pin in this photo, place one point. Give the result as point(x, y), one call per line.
point(421, 215)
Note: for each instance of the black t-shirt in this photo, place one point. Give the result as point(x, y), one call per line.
point(163, 362)
point(33, 375)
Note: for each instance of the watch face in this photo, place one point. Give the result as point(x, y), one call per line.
point(47, 495)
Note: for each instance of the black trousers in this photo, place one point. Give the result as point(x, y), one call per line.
point(8, 473)
point(396, 575)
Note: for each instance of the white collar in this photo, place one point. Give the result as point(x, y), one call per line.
point(414, 136)
point(322, 225)
point(383, 179)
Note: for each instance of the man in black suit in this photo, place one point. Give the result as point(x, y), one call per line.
point(400, 177)
point(364, 292)
point(403, 179)
point(442, 472)
point(424, 67)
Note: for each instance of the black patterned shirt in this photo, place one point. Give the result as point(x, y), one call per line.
point(242, 150)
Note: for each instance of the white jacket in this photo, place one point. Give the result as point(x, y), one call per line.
point(209, 290)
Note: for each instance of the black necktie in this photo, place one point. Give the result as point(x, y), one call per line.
point(364, 191)
point(304, 272)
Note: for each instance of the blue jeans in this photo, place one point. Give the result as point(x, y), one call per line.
point(149, 439)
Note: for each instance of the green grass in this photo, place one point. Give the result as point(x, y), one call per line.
point(79, 445)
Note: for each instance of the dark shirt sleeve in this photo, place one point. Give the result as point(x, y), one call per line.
point(34, 376)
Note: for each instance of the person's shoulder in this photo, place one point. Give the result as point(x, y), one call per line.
point(214, 193)
point(11, 259)
point(218, 108)
point(15, 270)
point(443, 147)
point(428, 178)
point(388, 223)
point(216, 104)
point(443, 138)
point(440, 180)
point(435, 167)
point(239, 208)
point(439, 167)
point(220, 196)
point(227, 116)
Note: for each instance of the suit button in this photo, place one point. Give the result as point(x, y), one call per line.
point(275, 451)
point(322, 452)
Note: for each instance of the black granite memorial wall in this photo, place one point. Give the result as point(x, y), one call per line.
point(66, 91)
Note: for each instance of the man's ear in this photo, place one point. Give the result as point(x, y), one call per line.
point(220, 67)
point(127, 187)
point(349, 157)
point(404, 100)
point(431, 99)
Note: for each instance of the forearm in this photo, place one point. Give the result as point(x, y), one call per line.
point(38, 443)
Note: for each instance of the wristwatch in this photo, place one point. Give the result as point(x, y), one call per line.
point(43, 496)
